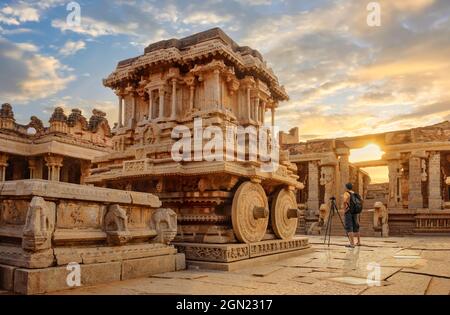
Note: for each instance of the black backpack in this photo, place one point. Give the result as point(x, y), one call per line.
point(355, 204)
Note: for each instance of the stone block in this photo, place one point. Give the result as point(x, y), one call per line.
point(16, 256)
point(214, 252)
point(36, 281)
point(7, 277)
point(277, 246)
point(180, 262)
point(144, 267)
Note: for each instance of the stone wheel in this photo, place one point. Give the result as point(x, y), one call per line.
point(250, 212)
point(284, 214)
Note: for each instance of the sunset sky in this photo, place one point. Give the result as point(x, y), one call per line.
point(343, 76)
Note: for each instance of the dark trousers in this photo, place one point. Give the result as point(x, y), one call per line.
point(351, 222)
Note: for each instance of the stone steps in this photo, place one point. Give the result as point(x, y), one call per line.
point(365, 222)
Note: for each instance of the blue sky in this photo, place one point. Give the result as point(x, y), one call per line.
point(343, 77)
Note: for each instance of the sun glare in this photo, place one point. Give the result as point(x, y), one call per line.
point(370, 152)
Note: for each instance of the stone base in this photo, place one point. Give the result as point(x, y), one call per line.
point(235, 256)
point(96, 267)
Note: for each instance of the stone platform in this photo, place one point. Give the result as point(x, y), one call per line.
point(56, 236)
point(230, 257)
point(50, 279)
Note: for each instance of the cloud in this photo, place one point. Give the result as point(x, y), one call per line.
point(28, 75)
point(205, 18)
point(72, 47)
point(17, 14)
point(95, 28)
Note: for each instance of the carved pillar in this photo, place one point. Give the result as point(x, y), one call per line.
point(434, 181)
point(133, 108)
point(120, 122)
point(54, 164)
point(313, 187)
point(394, 192)
point(191, 97)
point(150, 104)
point(257, 109)
point(344, 170)
point(190, 82)
point(85, 170)
point(415, 199)
point(263, 112)
point(216, 96)
point(249, 104)
point(161, 103)
point(3, 165)
point(32, 166)
point(327, 179)
point(174, 99)
point(360, 183)
point(273, 116)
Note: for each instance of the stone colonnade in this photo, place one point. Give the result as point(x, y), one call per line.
point(423, 179)
point(172, 95)
point(35, 164)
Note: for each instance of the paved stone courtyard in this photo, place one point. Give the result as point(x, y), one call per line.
point(409, 265)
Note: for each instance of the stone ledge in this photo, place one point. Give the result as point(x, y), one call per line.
point(60, 190)
point(192, 264)
point(43, 280)
point(228, 253)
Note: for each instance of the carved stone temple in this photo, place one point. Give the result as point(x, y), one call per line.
point(228, 210)
point(62, 151)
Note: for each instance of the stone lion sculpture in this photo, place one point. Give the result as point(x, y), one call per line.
point(380, 218)
point(39, 225)
point(164, 221)
point(116, 225)
point(316, 227)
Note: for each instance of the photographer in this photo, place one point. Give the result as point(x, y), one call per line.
point(352, 207)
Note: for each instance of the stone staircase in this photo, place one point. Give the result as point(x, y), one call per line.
point(365, 223)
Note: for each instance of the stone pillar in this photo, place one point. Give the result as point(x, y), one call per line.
point(327, 179)
point(434, 181)
point(415, 198)
point(85, 170)
point(133, 107)
point(273, 116)
point(344, 169)
point(249, 104)
point(3, 165)
point(174, 99)
point(263, 112)
point(313, 187)
point(32, 166)
point(150, 104)
point(120, 122)
point(217, 89)
point(161, 103)
point(360, 183)
point(257, 109)
point(191, 97)
point(54, 164)
point(393, 196)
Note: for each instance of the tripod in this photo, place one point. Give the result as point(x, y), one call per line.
point(333, 209)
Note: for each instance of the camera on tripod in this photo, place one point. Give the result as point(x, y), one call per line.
point(333, 209)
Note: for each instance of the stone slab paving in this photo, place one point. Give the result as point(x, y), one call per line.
point(408, 265)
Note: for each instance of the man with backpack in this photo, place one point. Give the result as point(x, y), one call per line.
point(352, 208)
